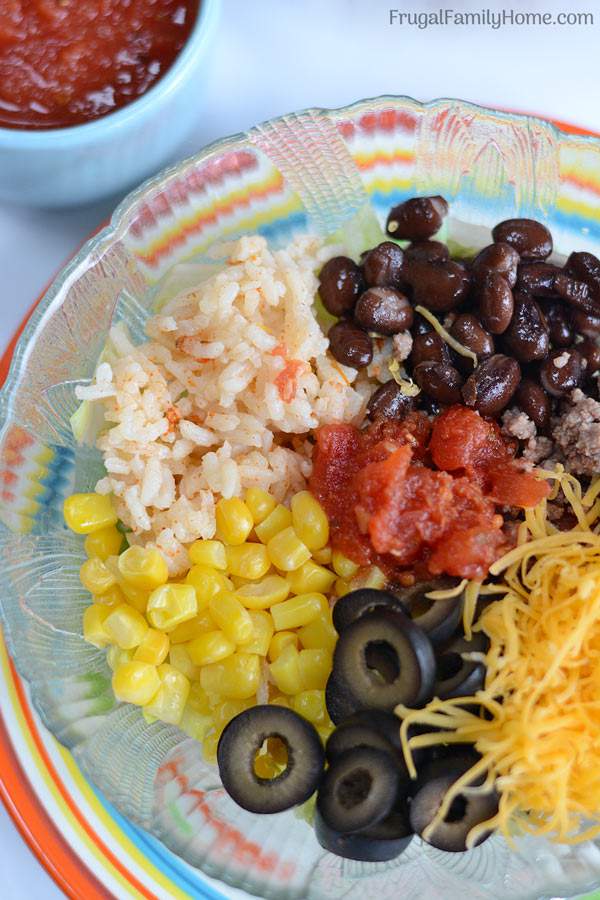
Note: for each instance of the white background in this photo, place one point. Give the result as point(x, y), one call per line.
point(273, 56)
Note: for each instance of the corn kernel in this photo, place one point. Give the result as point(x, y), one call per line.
point(319, 634)
point(231, 617)
point(143, 567)
point(85, 513)
point(208, 553)
point(311, 705)
point(210, 648)
point(115, 657)
point(263, 594)
point(209, 747)
point(136, 682)
point(280, 640)
point(234, 520)
point(280, 700)
point(237, 677)
point(286, 671)
point(263, 628)
point(180, 659)
point(153, 648)
point(343, 566)
point(112, 597)
point(104, 543)
point(266, 767)
point(187, 631)
point(198, 699)
point(315, 667)
point(277, 750)
point(194, 724)
point(125, 626)
point(94, 618)
point(136, 597)
point(286, 550)
point(249, 561)
point(297, 611)
point(228, 710)
point(207, 583)
point(372, 577)
point(170, 605)
point(275, 522)
point(259, 503)
point(169, 701)
point(341, 587)
point(96, 577)
point(309, 520)
point(323, 556)
point(310, 577)
point(325, 731)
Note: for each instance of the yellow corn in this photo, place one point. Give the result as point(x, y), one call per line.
point(169, 701)
point(112, 597)
point(170, 605)
point(275, 522)
point(208, 553)
point(297, 611)
point(103, 543)
point(198, 699)
point(153, 647)
point(310, 577)
point(286, 550)
point(228, 710)
point(266, 767)
point(277, 750)
point(94, 618)
point(263, 594)
point(115, 657)
point(311, 705)
point(210, 648)
point(263, 628)
point(309, 520)
point(318, 634)
point(286, 671)
point(341, 587)
point(323, 556)
point(194, 724)
point(187, 631)
point(143, 567)
point(280, 640)
point(372, 577)
point(343, 566)
point(280, 700)
point(207, 583)
point(249, 561)
point(180, 659)
point(236, 678)
point(85, 513)
point(135, 682)
point(96, 577)
point(315, 668)
point(125, 626)
point(136, 597)
point(209, 747)
point(234, 521)
point(231, 617)
point(325, 731)
point(259, 503)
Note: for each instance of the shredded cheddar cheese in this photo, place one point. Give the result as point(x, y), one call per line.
point(540, 739)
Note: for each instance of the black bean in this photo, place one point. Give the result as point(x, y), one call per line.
point(429, 347)
point(430, 406)
point(590, 350)
point(350, 345)
point(500, 258)
point(533, 400)
point(559, 323)
point(563, 371)
point(383, 265)
point(527, 335)
point(429, 251)
point(417, 219)
point(530, 238)
point(576, 293)
point(437, 286)
point(388, 402)
point(384, 310)
point(496, 303)
point(491, 386)
point(585, 323)
point(440, 381)
point(421, 325)
point(585, 267)
point(468, 331)
point(340, 285)
point(537, 279)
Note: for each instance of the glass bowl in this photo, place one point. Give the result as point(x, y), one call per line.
point(312, 171)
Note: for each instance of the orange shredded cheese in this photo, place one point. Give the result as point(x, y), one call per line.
point(540, 740)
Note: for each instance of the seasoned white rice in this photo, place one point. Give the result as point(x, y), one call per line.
point(234, 373)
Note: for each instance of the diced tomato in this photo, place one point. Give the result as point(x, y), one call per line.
point(510, 487)
point(461, 439)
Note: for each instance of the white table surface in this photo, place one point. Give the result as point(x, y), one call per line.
point(273, 56)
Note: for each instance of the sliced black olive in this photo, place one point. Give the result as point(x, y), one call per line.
point(438, 618)
point(466, 811)
point(380, 843)
point(380, 660)
point(239, 744)
point(458, 677)
point(346, 737)
point(364, 600)
point(358, 789)
point(387, 725)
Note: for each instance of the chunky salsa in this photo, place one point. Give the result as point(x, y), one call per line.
point(64, 62)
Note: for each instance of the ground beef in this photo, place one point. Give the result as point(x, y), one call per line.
point(402, 345)
point(518, 424)
point(576, 432)
point(538, 449)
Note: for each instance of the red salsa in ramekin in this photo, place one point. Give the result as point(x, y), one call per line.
point(67, 62)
